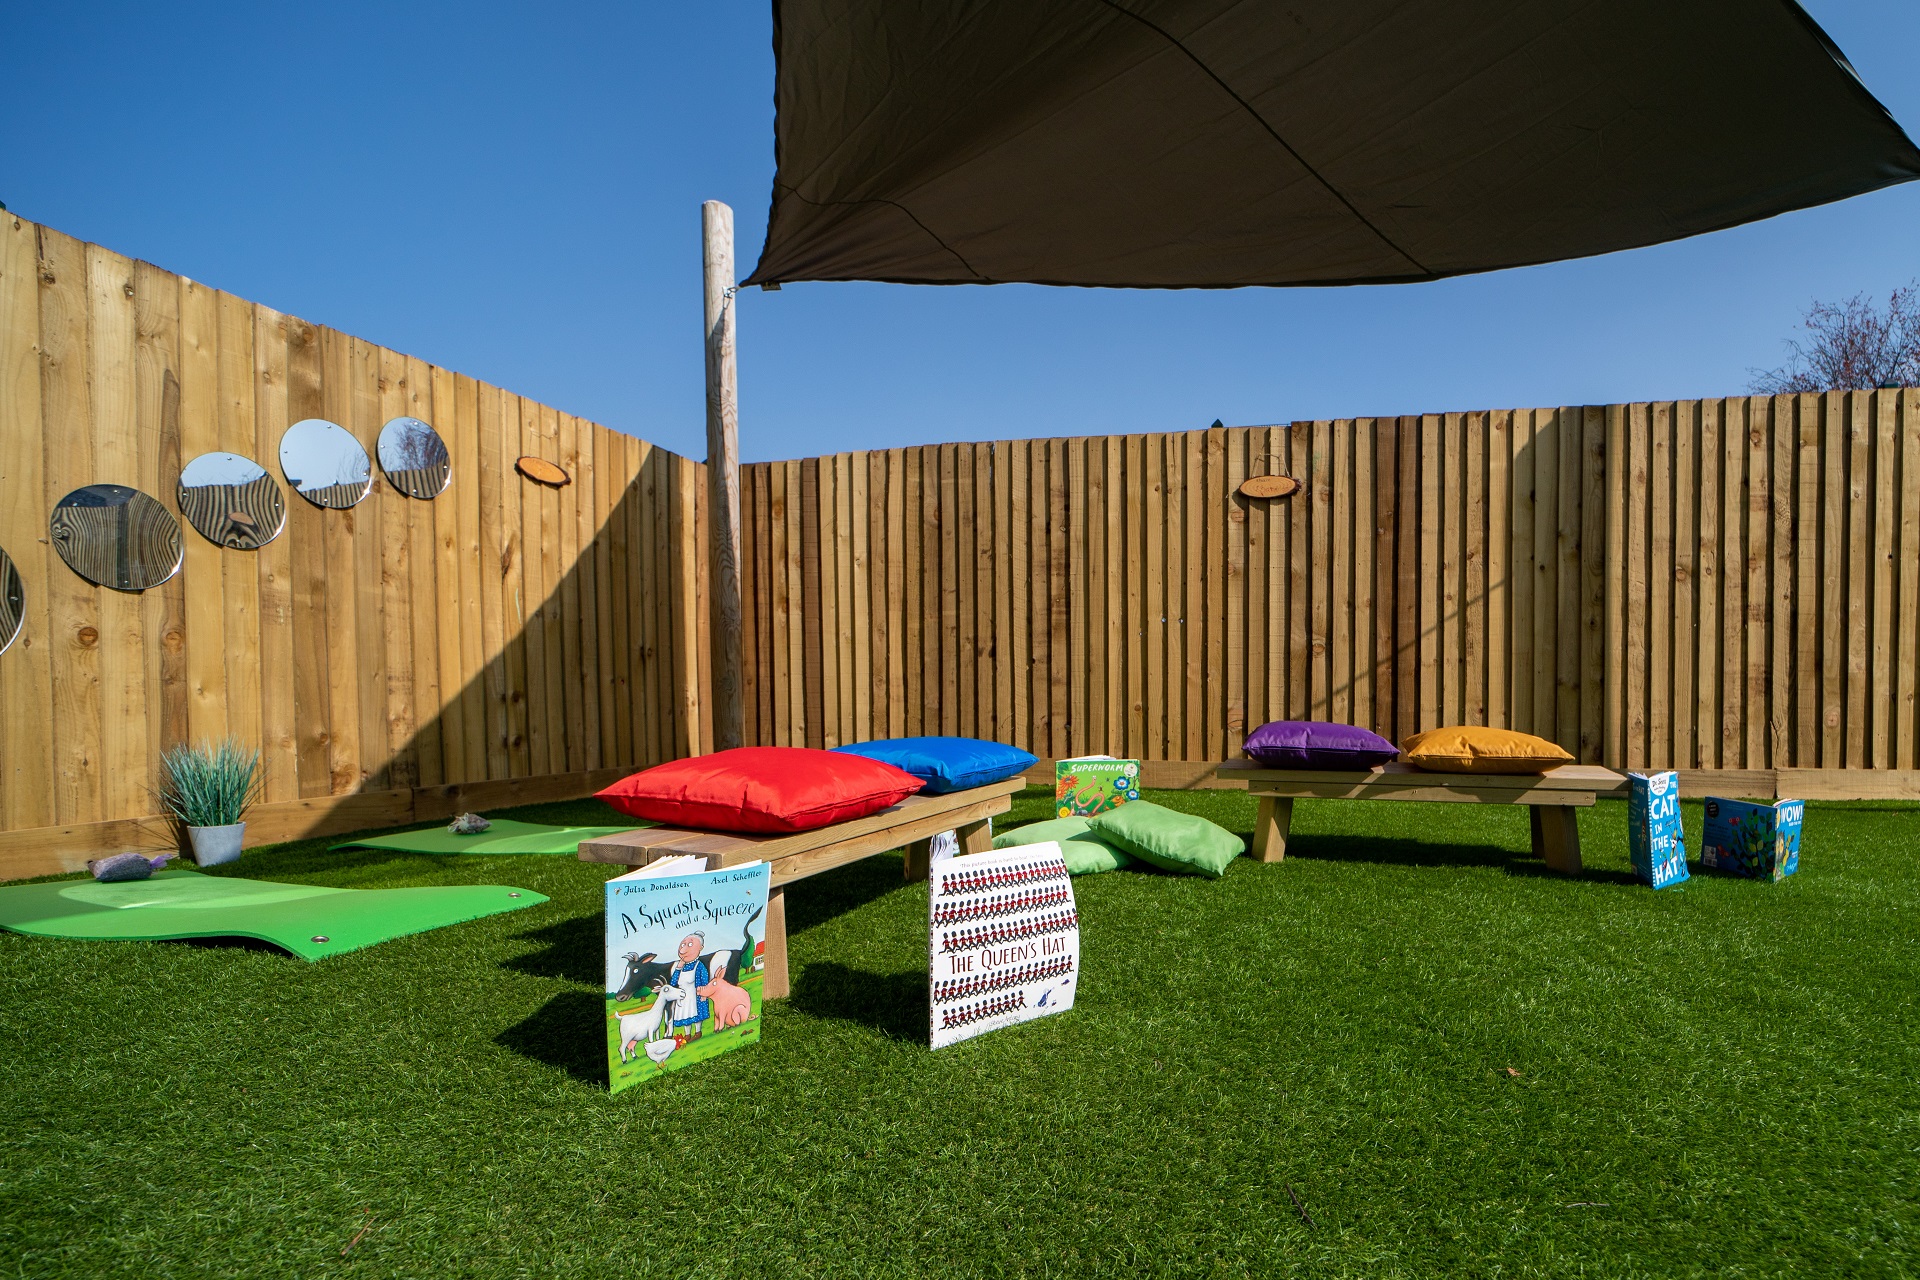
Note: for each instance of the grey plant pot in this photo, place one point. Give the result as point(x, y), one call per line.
point(215, 845)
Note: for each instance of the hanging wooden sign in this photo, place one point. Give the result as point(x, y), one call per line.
point(1269, 487)
point(540, 471)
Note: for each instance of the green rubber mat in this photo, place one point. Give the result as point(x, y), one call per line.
point(311, 921)
point(505, 836)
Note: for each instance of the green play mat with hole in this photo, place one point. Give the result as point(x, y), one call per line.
point(311, 921)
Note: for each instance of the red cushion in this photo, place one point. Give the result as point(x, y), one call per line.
point(762, 789)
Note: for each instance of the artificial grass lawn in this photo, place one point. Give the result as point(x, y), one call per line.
point(1461, 1063)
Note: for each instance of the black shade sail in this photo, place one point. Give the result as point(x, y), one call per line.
point(1213, 143)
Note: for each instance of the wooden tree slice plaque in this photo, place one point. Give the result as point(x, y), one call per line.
point(540, 471)
point(1269, 487)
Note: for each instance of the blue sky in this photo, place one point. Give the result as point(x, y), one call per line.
point(514, 191)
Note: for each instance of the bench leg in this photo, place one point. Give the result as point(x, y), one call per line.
point(1556, 836)
point(973, 837)
point(774, 985)
point(977, 837)
point(919, 858)
point(1270, 827)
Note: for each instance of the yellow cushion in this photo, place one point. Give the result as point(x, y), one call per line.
point(1472, 748)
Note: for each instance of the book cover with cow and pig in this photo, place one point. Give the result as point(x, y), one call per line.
point(685, 953)
point(1004, 940)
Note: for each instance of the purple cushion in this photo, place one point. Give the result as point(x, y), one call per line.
point(1316, 744)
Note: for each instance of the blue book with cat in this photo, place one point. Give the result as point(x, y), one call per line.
point(685, 958)
point(1656, 845)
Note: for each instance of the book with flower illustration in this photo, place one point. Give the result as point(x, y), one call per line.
point(1003, 940)
point(1761, 841)
point(1086, 785)
point(685, 954)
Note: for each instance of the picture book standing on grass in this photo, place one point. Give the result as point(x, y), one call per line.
point(1086, 785)
point(1757, 840)
point(1004, 944)
point(1656, 845)
point(684, 964)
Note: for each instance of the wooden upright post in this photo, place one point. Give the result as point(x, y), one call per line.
point(723, 478)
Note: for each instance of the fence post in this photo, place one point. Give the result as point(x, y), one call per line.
point(723, 476)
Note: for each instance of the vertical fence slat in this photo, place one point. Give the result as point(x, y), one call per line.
point(1079, 671)
point(157, 409)
point(1686, 543)
point(1337, 564)
point(1134, 505)
point(1546, 560)
point(1718, 604)
point(1386, 508)
point(1118, 575)
point(27, 725)
point(1734, 583)
point(1858, 495)
point(1475, 628)
point(1614, 431)
point(1520, 572)
point(1759, 567)
point(125, 764)
point(1407, 586)
point(1431, 574)
point(1590, 570)
point(1451, 616)
point(1214, 570)
point(1780, 606)
point(1364, 550)
point(1908, 484)
point(1568, 628)
point(1660, 594)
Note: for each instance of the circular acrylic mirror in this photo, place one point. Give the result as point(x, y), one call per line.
point(325, 464)
point(13, 601)
point(116, 537)
point(415, 458)
point(232, 501)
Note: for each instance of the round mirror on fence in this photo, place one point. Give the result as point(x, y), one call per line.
point(325, 464)
point(116, 537)
point(415, 458)
point(232, 501)
point(13, 601)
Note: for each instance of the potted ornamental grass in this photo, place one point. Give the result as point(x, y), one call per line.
point(208, 788)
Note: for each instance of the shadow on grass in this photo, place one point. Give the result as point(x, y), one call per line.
point(833, 893)
point(234, 942)
point(567, 1032)
point(306, 857)
point(572, 949)
point(1390, 851)
point(894, 1004)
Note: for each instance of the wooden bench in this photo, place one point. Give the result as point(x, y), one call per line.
point(911, 824)
point(1551, 798)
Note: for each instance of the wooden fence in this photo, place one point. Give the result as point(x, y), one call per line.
point(1721, 585)
point(505, 641)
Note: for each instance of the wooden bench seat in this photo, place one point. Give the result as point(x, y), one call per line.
point(1551, 797)
point(909, 825)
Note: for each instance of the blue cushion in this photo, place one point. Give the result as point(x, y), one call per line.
point(947, 764)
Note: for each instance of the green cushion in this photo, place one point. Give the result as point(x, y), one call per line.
point(1084, 851)
point(1170, 840)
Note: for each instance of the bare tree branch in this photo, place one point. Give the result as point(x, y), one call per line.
point(1850, 346)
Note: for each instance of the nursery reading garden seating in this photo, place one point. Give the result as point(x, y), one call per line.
point(1551, 796)
point(911, 823)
